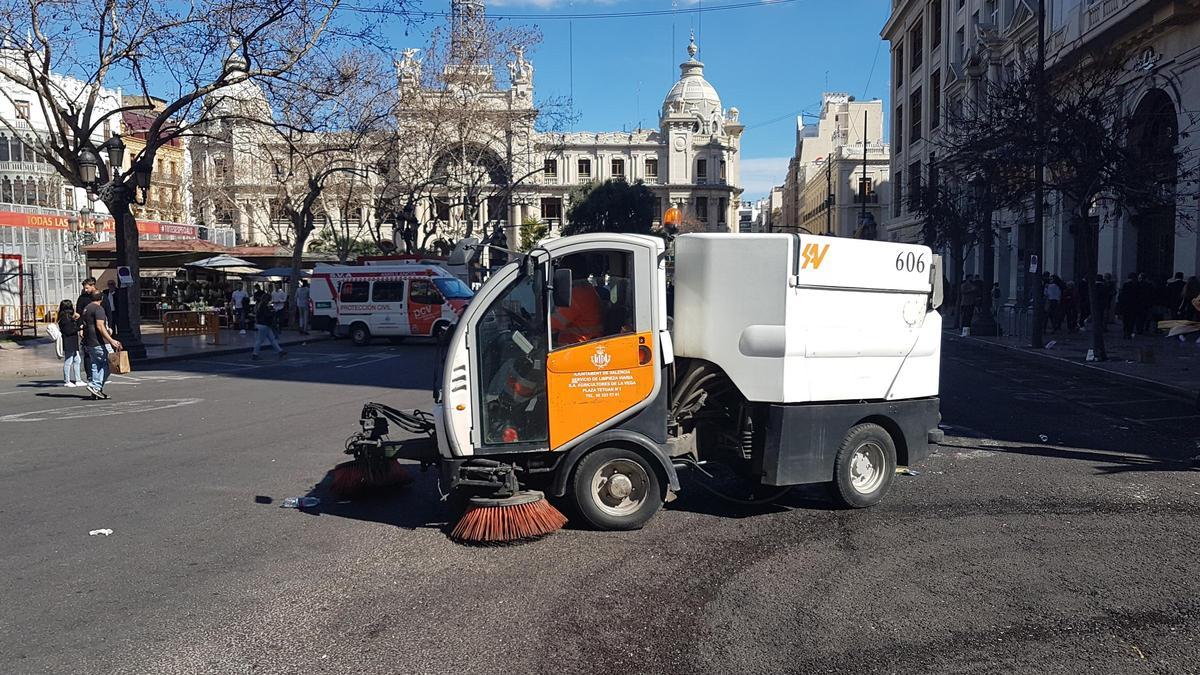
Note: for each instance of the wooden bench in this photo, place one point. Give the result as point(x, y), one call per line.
point(190, 324)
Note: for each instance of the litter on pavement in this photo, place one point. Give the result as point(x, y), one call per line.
point(104, 531)
point(1044, 438)
point(905, 471)
point(300, 503)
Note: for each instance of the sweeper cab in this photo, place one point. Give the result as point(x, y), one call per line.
point(579, 372)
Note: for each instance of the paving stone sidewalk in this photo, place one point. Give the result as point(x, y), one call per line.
point(1167, 364)
point(36, 357)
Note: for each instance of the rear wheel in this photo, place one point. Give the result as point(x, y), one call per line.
point(865, 466)
point(616, 489)
point(360, 334)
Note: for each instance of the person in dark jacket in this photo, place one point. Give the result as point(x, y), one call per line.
point(1173, 296)
point(264, 326)
point(85, 299)
point(69, 326)
point(1128, 305)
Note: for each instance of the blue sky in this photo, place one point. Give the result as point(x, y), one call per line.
point(769, 61)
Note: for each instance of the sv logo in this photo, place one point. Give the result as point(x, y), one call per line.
point(813, 254)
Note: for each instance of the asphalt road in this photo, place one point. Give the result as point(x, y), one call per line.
point(1056, 531)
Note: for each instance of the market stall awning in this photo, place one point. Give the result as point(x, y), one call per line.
point(281, 272)
point(224, 262)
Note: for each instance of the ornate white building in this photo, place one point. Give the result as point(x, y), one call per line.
point(470, 157)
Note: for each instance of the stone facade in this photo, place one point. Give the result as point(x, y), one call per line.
point(515, 172)
point(825, 190)
point(944, 50)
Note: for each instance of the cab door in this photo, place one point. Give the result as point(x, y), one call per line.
point(603, 364)
point(424, 306)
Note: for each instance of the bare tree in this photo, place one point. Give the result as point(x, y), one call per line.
point(1101, 156)
point(65, 53)
point(317, 147)
point(463, 145)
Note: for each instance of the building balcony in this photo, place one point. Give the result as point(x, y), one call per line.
point(871, 198)
point(27, 168)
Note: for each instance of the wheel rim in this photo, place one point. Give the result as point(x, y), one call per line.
point(619, 487)
point(868, 468)
point(360, 335)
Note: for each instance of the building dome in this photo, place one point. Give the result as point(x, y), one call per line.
point(243, 97)
point(692, 93)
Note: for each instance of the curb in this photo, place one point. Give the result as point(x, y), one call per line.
point(56, 369)
point(1030, 354)
point(236, 350)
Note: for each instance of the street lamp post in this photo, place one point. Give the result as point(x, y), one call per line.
point(1037, 291)
point(123, 191)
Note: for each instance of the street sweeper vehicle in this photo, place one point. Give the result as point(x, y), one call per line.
point(577, 372)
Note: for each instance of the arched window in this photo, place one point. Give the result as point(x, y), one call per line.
point(3, 147)
point(6, 191)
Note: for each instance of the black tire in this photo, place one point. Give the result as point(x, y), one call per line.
point(360, 334)
point(441, 332)
point(858, 485)
point(597, 468)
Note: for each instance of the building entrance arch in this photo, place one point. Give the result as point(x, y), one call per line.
point(1154, 133)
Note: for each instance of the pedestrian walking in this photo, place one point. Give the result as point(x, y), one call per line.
point(1070, 307)
point(1191, 291)
point(97, 339)
point(302, 298)
point(81, 303)
point(1173, 296)
point(1053, 297)
point(68, 328)
point(240, 308)
point(264, 318)
point(1127, 305)
point(279, 304)
point(968, 298)
point(110, 305)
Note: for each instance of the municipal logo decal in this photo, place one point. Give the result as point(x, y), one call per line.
point(601, 358)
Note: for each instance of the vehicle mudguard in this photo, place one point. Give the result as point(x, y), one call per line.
point(615, 437)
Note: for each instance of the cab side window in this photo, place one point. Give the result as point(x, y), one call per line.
point(422, 292)
point(388, 291)
point(602, 302)
point(354, 291)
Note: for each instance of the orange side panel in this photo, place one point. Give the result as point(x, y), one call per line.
point(591, 383)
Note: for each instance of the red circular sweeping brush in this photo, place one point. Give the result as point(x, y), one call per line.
point(525, 515)
point(360, 478)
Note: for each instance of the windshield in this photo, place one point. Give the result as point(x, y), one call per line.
point(453, 288)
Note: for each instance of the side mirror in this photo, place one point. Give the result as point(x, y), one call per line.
point(563, 282)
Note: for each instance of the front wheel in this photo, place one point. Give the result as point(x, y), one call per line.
point(616, 489)
point(360, 334)
point(865, 466)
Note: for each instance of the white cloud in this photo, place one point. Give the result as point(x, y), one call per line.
point(761, 174)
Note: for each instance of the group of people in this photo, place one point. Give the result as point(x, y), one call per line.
point(270, 314)
point(1139, 302)
point(88, 336)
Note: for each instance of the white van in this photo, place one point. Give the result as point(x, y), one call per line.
point(400, 300)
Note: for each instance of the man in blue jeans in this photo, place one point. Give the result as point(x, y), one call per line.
point(96, 340)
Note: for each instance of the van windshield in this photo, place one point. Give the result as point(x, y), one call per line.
point(453, 288)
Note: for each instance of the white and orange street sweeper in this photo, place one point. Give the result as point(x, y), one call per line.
point(578, 372)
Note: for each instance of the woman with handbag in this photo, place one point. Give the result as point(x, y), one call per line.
point(68, 329)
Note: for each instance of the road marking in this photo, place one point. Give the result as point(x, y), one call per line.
point(370, 360)
point(98, 410)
